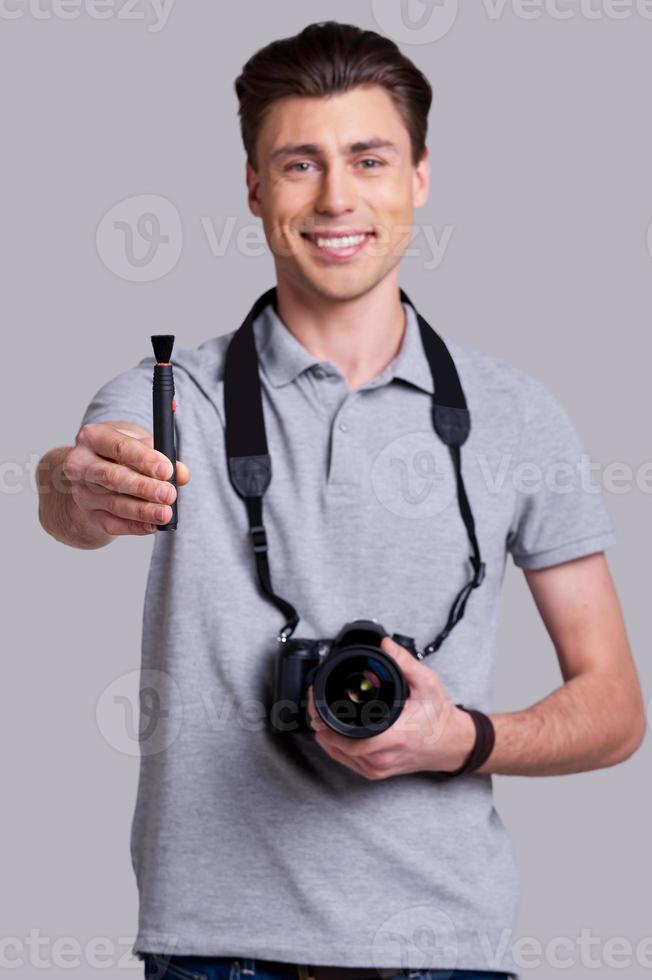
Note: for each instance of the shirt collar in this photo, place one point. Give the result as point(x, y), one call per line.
point(283, 358)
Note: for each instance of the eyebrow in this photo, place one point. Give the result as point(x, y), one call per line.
point(314, 150)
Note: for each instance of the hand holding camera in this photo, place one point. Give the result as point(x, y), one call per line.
point(430, 734)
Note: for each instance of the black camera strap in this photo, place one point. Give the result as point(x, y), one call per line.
point(250, 465)
point(249, 462)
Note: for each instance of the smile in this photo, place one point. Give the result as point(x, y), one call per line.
point(338, 246)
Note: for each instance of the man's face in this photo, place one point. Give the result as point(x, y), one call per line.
point(319, 177)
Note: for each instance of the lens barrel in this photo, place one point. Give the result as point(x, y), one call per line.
point(359, 690)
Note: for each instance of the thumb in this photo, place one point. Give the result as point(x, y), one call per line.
point(412, 669)
point(183, 473)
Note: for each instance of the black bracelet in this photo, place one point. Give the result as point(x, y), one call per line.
point(485, 737)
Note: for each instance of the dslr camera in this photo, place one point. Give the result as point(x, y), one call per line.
point(359, 690)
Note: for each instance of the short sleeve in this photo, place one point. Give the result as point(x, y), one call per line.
point(127, 396)
point(559, 510)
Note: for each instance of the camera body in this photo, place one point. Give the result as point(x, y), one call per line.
point(359, 690)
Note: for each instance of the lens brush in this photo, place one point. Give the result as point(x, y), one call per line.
point(164, 406)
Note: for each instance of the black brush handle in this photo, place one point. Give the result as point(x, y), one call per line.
point(163, 416)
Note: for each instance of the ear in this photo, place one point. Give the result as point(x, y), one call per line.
point(253, 190)
point(421, 180)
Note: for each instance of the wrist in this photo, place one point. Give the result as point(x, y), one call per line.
point(483, 745)
point(462, 740)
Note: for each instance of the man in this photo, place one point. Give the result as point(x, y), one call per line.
point(324, 855)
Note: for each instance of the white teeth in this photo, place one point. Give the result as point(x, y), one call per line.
point(346, 242)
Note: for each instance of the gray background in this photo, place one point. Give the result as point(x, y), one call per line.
point(541, 157)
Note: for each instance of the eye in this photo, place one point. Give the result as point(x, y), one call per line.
point(299, 163)
point(378, 163)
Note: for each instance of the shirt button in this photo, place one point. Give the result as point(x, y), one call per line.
point(343, 426)
point(318, 371)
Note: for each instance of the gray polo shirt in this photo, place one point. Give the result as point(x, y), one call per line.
point(246, 843)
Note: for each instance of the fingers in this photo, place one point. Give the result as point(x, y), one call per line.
point(113, 476)
point(103, 474)
point(416, 673)
point(339, 748)
point(109, 441)
point(183, 473)
point(361, 766)
point(132, 509)
point(315, 721)
point(86, 465)
point(111, 524)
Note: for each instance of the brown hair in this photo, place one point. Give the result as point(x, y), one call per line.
point(325, 58)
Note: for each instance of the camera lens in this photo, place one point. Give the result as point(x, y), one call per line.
point(362, 686)
point(360, 692)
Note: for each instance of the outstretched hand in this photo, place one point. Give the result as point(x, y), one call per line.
point(115, 482)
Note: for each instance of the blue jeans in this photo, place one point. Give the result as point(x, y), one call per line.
point(159, 966)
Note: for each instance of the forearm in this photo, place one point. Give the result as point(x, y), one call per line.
point(59, 515)
point(581, 725)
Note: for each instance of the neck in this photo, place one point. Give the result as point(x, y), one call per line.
point(359, 336)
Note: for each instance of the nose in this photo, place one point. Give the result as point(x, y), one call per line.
point(336, 193)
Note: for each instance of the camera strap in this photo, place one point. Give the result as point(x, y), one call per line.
point(250, 464)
